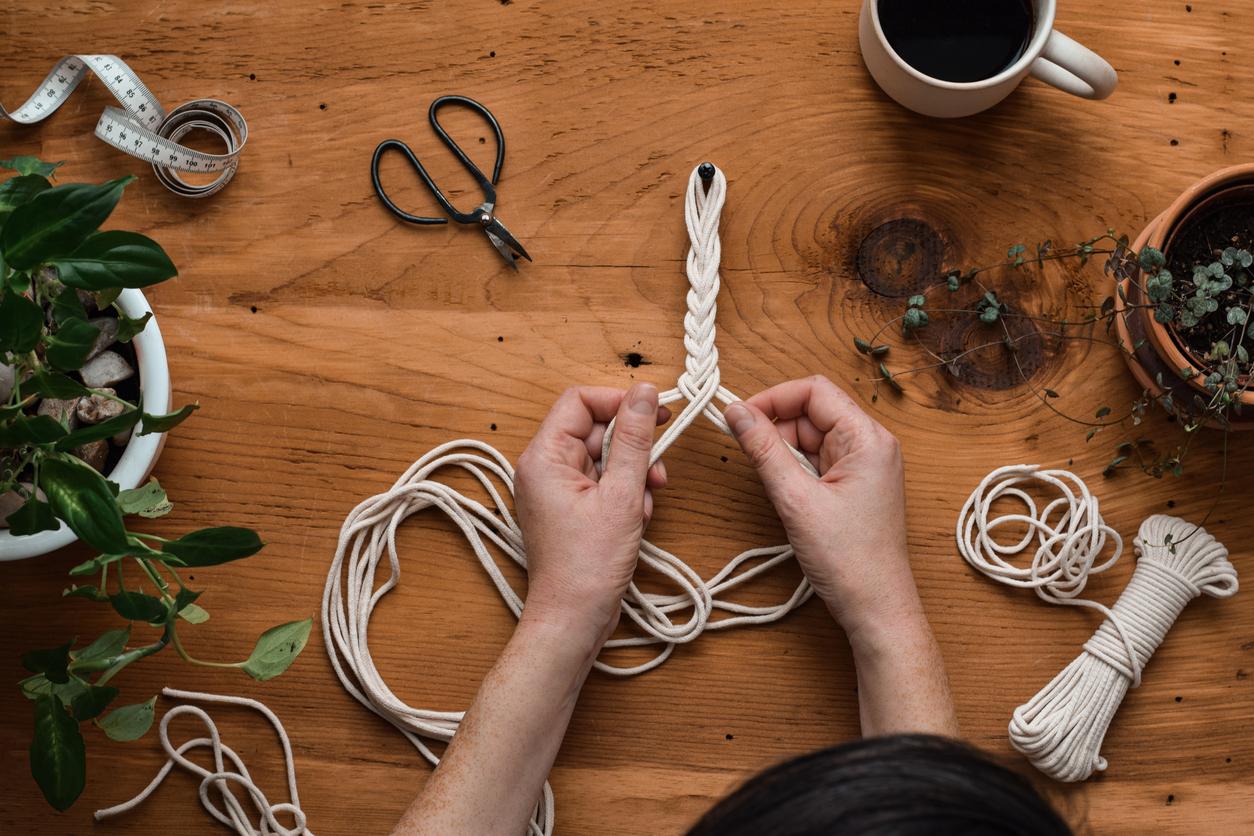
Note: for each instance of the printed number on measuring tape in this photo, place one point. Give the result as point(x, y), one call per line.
point(142, 127)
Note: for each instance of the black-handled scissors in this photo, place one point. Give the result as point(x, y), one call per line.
point(484, 214)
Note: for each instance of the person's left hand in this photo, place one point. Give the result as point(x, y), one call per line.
point(581, 528)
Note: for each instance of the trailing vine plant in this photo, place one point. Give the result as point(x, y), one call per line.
point(55, 267)
point(1189, 306)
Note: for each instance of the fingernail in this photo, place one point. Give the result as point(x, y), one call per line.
point(643, 399)
point(740, 418)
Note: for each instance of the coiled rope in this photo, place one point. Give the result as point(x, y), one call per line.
point(219, 779)
point(368, 536)
point(1061, 729)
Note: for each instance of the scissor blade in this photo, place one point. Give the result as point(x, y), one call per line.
point(497, 231)
point(505, 252)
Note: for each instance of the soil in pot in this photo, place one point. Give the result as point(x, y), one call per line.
point(1201, 239)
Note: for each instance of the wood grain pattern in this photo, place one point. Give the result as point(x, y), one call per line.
point(330, 346)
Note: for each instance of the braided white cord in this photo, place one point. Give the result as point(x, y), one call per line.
point(368, 536)
point(1061, 729)
point(220, 777)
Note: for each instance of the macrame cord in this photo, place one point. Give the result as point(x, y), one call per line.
point(368, 536)
point(1061, 729)
point(218, 781)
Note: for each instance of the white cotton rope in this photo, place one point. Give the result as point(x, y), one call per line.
point(263, 820)
point(368, 536)
point(1061, 729)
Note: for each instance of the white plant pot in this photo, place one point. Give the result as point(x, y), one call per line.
point(141, 453)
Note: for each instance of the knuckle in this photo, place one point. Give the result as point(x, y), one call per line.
point(633, 436)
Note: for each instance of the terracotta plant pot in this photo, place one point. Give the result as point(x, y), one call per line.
point(1154, 351)
point(141, 452)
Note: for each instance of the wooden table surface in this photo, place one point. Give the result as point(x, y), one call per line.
point(329, 346)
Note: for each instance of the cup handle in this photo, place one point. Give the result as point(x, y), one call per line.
point(1075, 68)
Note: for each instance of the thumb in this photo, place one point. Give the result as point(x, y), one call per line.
point(632, 442)
point(767, 451)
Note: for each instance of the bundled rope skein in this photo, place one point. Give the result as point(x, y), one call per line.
point(1061, 729)
point(663, 620)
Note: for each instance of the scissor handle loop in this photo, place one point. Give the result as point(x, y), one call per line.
point(488, 186)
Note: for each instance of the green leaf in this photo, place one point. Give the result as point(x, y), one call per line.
point(30, 429)
point(48, 384)
point(66, 305)
point(1102, 412)
point(888, 378)
point(91, 593)
point(165, 423)
point(58, 758)
point(148, 500)
point(114, 259)
point(212, 546)
point(990, 314)
point(92, 701)
point(128, 327)
point(187, 610)
point(56, 221)
point(277, 648)
point(1237, 316)
point(52, 663)
point(81, 497)
point(1050, 393)
point(21, 323)
point(25, 165)
point(130, 722)
point(19, 190)
point(1151, 258)
point(137, 606)
point(953, 282)
point(33, 517)
point(68, 348)
point(110, 643)
point(862, 345)
point(95, 432)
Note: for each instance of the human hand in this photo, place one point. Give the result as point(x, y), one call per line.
point(848, 526)
point(581, 528)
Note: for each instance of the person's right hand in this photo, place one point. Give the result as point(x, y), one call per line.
point(848, 526)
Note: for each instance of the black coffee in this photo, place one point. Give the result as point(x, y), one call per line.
point(957, 40)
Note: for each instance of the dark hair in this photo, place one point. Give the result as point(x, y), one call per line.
point(901, 785)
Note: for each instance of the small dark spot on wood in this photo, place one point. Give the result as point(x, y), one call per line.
point(506, 2)
point(723, 459)
point(1171, 98)
point(253, 308)
point(1179, 699)
point(1070, 462)
point(191, 577)
point(1241, 674)
point(1175, 142)
point(493, 428)
point(635, 359)
point(492, 54)
point(1170, 799)
point(1171, 503)
point(1033, 437)
point(1227, 760)
point(322, 106)
point(500, 339)
point(1188, 8)
point(729, 737)
point(252, 76)
point(1176, 62)
point(482, 140)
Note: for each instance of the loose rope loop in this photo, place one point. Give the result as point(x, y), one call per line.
point(219, 779)
point(1062, 728)
point(368, 536)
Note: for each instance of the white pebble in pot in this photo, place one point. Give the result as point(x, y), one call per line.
point(105, 369)
point(98, 408)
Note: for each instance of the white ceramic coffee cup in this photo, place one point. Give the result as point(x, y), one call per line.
point(1050, 56)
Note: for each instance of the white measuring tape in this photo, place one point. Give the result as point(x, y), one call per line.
point(142, 127)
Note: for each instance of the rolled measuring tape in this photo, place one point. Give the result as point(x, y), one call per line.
point(142, 127)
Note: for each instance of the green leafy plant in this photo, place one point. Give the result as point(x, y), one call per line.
point(55, 265)
point(1217, 300)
